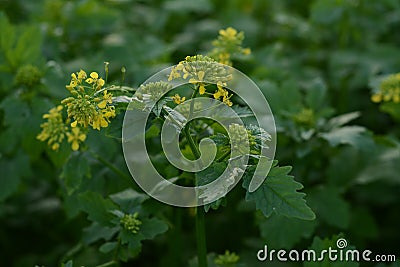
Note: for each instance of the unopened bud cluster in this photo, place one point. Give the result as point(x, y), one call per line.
point(131, 223)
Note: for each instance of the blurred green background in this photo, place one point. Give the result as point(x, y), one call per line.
point(313, 59)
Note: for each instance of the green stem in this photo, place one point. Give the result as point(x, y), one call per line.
point(192, 145)
point(200, 218)
point(174, 256)
point(115, 170)
point(186, 129)
point(223, 156)
point(201, 237)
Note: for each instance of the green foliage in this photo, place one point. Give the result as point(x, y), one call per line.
point(291, 230)
point(279, 194)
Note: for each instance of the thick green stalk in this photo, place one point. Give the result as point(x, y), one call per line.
point(200, 219)
point(201, 237)
point(115, 170)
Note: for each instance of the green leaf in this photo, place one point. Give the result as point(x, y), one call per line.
point(75, 169)
point(384, 166)
point(97, 208)
point(210, 173)
point(316, 93)
point(12, 171)
point(18, 44)
point(68, 264)
point(282, 232)
point(207, 176)
point(330, 206)
point(95, 232)
point(128, 200)
point(279, 194)
point(352, 135)
point(343, 119)
point(149, 229)
point(108, 247)
point(319, 244)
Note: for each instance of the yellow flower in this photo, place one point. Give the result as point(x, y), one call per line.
point(246, 51)
point(74, 137)
point(94, 75)
point(175, 72)
point(227, 45)
point(99, 122)
point(101, 82)
point(82, 75)
point(76, 79)
point(376, 98)
point(95, 80)
point(229, 33)
point(177, 99)
point(202, 89)
point(221, 92)
point(107, 98)
point(227, 101)
point(54, 129)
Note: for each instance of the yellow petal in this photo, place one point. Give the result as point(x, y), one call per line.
point(246, 51)
point(55, 146)
point(73, 124)
point(94, 75)
point(376, 98)
point(75, 131)
point(104, 123)
point(102, 104)
point(220, 85)
point(81, 75)
point(89, 80)
point(202, 89)
point(96, 124)
point(100, 82)
point(75, 145)
point(82, 137)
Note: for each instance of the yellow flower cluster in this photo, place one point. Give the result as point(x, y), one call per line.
point(221, 92)
point(201, 70)
point(178, 99)
point(89, 105)
point(389, 90)
point(228, 44)
point(85, 107)
point(55, 129)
